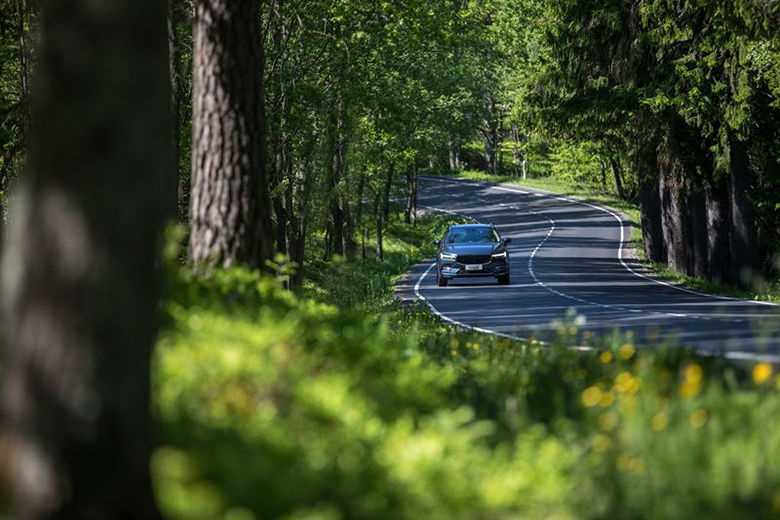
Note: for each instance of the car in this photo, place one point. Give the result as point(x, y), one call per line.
point(470, 250)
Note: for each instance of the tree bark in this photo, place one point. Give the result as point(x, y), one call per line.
point(410, 211)
point(718, 232)
point(230, 221)
point(81, 287)
point(172, 187)
point(617, 171)
point(652, 232)
point(745, 265)
point(337, 144)
point(380, 249)
point(696, 223)
point(490, 133)
point(672, 219)
point(386, 193)
point(22, 26)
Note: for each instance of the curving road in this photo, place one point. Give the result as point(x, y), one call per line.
point(568, 257)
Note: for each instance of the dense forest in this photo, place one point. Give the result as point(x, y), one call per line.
point(280, 133)
point(296, 131)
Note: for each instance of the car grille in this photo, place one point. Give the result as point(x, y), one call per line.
point(474, 259)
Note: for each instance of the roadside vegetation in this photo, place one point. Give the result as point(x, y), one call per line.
point(321, 407)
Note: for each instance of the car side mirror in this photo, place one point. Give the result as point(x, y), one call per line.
point(437, 242)
point(507, 240)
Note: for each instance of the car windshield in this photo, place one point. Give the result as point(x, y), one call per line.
point(472, 235)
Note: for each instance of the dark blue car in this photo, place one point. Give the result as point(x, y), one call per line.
point(472, 250)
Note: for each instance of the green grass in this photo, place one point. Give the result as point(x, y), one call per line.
point(366, 283)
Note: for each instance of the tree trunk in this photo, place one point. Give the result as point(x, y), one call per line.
point(672, 218)
point(652, 232)
point(230, 222)
point(516, 155)
point(336, 168)
point(173, 188)
point(742, 234)
point(81, 284)
point(302, 194)
point(22, 26)
point(410, 211)
point(490, 132)
point(696, 223)
point(386, 193)
point(718, 232)
point(617, 171)
point(380, 250)
point(500, 142)
point(454, 156)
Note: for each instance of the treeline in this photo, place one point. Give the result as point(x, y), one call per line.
point(308, 118)
point(297, 123)
point(685, 99)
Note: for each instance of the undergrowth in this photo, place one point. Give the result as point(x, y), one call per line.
point(329, 406)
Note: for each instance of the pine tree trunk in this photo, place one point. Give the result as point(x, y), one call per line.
point(718, 232)
point(173, 189)
point(652, 232)
point(81, 284)
point(230, 221)
point(742, 234)
point(696, 224)
point(672, 219)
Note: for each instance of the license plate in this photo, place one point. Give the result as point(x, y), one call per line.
point(473, 267)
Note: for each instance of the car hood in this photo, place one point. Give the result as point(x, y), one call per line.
point(472, 249)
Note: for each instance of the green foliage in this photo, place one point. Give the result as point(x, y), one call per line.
point(578, 164)
point(272, 406)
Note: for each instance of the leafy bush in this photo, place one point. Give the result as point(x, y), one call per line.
point(272, 406)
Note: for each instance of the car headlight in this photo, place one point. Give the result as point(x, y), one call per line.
point(447, 256)
point(502, 254)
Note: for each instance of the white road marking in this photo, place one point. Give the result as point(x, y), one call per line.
point(745, 356)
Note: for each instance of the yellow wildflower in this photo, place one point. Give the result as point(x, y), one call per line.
point(605, 356)
point(607, 398)
point(627, 351)
point(698, 418)
point(591, 396)
point(626, 383)
point(691, 385)
point(761, 373)
point(659, 422)
point(454, 343)
point(572, 331)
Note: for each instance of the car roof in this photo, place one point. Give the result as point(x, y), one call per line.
point(472, 226)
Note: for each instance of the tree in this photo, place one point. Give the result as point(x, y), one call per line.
point(229, 207)
point(81, 285)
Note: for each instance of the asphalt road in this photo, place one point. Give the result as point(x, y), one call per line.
point(570, 258)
